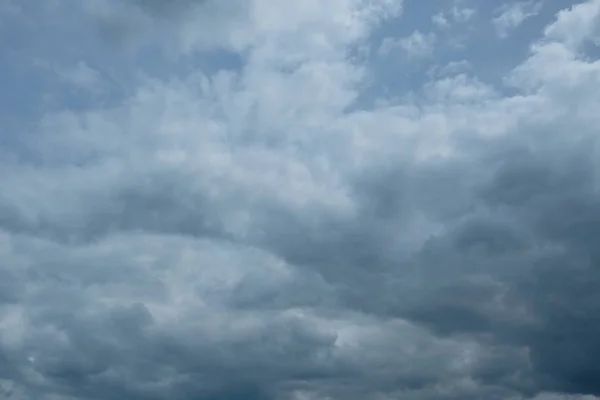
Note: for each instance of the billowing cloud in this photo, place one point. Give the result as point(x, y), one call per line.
point(262, 230)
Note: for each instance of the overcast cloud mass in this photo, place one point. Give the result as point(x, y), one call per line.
point(299, 200)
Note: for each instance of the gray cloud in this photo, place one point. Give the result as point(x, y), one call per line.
point(425, 251)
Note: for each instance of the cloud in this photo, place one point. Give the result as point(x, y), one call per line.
point(453, 68)
point(190, 25)
point(458, 15)
point(416, 45)
point(462, 15)
point(577, 25)
point(511, 16)
point(80, 77)
point(261, 233)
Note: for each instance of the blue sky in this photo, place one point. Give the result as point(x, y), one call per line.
point(269, 199)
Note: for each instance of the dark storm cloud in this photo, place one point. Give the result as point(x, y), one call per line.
point(547, 262)
point(460, 276)
point(557, 200)
point(518, 272)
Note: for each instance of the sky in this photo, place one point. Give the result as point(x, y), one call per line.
point(299, 200)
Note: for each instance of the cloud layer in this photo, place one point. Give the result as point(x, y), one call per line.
point(247, 200)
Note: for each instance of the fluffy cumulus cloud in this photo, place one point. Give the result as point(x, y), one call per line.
point(247, 199)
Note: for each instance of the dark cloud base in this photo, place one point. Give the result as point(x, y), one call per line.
point(519, 274)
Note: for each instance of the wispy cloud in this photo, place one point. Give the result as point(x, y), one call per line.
point(510, 16)
point(456, 15)
point(416, 45)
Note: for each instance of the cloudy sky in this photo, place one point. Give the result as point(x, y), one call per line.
point(299, 200)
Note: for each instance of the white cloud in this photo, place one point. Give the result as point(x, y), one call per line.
point(462, 15)
point(191, 25)
point(511, 16)
point(440, 20)
point(83, 77)
point(577, 25)
point(416, 45)
point(457, 15)
point(556, 65)
point(450, 69)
